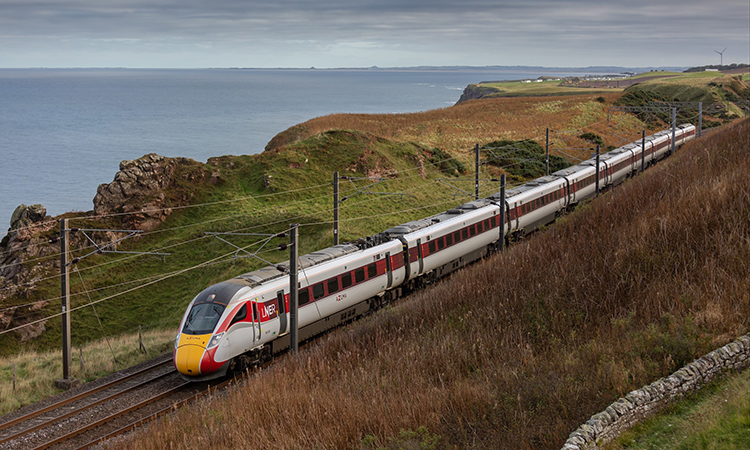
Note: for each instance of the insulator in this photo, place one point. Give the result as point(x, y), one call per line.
point(75, 260)
point(283, 247)
point(54, 239)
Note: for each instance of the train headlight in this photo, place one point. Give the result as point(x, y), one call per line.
point(214, 341)
point(177, 341)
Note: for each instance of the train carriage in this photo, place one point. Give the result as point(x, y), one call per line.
point(250, 311)
point(618, 165)
point(535, 203)
point(661, 143)
point(449, 240)
point(581, 182)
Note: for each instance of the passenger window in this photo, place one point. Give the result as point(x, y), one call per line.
point(333, 286)
point(241, 315)
point(372, 271)
point(303, 297)
point(441, 244)
point(457, 237)
point(449, 240)
point(359, 275)
point(431, 246)
point(464, 234)
point(346, 280)
point(318, 291)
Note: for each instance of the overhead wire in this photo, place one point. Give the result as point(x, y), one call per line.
point(46, 257)
point(240, 214)
point(242, 229)
point(179, 272)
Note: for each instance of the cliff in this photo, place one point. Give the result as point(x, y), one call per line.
point(141, 196)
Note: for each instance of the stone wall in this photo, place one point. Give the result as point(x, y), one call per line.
point(642, 403)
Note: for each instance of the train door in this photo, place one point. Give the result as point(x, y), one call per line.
point(607, 180)
point(389, 269)
point(282, 312)
point(420, 255)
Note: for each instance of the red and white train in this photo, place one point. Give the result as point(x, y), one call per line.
point(245, 320)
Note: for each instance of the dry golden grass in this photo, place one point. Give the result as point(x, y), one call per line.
point(460, 127)
point(520, 349)
point(36, 371)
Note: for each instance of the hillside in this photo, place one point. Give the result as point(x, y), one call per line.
point(520, 349)
point(176, 200)
point(458, 128)
point(722, 94)
point(485, 361)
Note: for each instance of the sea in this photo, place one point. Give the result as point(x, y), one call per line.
point(64, 131)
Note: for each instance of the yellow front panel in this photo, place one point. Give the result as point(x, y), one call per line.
point(190, 350)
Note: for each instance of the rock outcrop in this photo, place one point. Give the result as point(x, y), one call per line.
point(24, 242)
point(138, 191)
point(141, 196)
point(475, 92)
point(25, 258)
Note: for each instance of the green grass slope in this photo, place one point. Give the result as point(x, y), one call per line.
point(250, 194)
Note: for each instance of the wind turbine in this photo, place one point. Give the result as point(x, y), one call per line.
point(722, 55)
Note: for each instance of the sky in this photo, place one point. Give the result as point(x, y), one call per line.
point(364, 33)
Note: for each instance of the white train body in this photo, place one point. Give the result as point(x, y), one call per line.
point(247, 317)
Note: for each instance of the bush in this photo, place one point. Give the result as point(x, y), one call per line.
point(522, 160)
point(593, 138)
point(446, 163)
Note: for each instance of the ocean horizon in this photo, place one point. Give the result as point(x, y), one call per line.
point(65, 131)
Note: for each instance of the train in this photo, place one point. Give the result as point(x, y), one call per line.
point(244, 321)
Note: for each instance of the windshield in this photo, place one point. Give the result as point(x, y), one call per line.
point(203, 318)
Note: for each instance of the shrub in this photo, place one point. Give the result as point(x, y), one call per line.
point(522, 160)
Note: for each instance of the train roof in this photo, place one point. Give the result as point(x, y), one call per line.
point(268, 273)
point(416, 225)
point(528, 186)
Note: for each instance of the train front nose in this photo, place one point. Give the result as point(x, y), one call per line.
point(189, 354)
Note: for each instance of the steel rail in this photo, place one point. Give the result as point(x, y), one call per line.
point(78, 411)
point(112, 416)
point(149, 418)
point(81, 395)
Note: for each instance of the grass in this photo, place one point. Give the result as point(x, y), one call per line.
point(457, 129)
point(288, 183)
point(481, 385)
point(541, 88)
point(520, 349)
point(37, 371)
point(716, 418)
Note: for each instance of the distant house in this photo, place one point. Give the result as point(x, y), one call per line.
point(711, 70)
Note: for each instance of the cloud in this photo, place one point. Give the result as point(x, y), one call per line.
point(579, 30)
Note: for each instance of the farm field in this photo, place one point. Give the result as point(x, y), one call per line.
point(694, 86)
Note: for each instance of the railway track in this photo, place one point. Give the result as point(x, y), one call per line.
point(103, 411)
